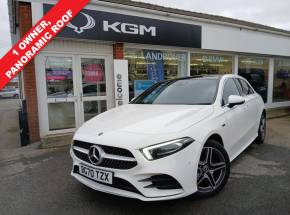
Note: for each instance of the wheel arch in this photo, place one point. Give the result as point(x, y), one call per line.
point(216, 137)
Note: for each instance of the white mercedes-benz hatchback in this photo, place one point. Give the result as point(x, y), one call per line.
point(175, 139)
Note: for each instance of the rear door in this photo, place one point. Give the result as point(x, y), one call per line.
point(251, 107)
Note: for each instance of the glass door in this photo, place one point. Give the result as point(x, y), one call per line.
point(61, 93)
point(93, 92)
point(74, 89)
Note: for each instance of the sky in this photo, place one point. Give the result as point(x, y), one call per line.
point(267, 12)
point(5, 41)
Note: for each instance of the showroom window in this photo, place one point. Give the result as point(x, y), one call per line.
point(256, 71)
point(281, 91)
point(93, 77)
point(147, 67)
point(59, 76)
point(59, 85)
point(210, 64)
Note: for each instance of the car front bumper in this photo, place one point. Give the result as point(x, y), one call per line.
point(181, 166)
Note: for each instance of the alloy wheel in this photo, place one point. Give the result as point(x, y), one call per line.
point(211, 170)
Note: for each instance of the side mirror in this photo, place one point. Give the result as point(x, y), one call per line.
point(235, 100)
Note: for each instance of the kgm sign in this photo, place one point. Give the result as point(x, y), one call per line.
point(118, 27)
point(129, 28)
point(106, 26)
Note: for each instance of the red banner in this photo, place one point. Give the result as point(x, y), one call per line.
point(37, 38)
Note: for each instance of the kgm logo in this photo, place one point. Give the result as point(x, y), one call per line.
point(80, 29)
point(117, 27)
point(128, 28)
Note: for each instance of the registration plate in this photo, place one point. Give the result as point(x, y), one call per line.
point(96, 174)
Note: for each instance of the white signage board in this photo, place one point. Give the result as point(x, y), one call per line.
point(121, 82)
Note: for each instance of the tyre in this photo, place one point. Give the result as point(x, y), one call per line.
point(213, 169)
point(262, 130)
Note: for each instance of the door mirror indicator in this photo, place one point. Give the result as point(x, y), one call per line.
point(235, 100)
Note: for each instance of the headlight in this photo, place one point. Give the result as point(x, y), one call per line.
point(167, 148)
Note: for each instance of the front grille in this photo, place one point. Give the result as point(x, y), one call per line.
point(115, 159)
point(118, 183)
point(108, 149)
point(162, 182)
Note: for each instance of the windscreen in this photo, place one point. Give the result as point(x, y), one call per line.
point(197, 91)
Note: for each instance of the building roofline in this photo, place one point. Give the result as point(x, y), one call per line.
point(162, 9)
point(205, 16)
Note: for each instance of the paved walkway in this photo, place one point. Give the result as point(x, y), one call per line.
point(9, 124)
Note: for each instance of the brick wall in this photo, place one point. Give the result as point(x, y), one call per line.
point(29, 79)
point(118, 51)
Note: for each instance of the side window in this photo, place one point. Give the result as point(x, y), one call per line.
point(240, 88)
point(251, 90)
point(246, 89)
point(230, 88)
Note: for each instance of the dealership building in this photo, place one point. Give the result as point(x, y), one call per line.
point(113, 50)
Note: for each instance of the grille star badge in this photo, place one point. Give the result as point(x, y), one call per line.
point(95, 155)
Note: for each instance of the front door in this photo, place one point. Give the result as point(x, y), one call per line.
point(75, 90)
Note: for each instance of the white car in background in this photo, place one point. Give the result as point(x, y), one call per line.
point(175, 139)
point(9, 93)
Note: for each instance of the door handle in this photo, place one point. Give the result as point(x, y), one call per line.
point(81, 96)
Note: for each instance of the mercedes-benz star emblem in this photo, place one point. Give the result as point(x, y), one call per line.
point(95, 155)
point(80, 29)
